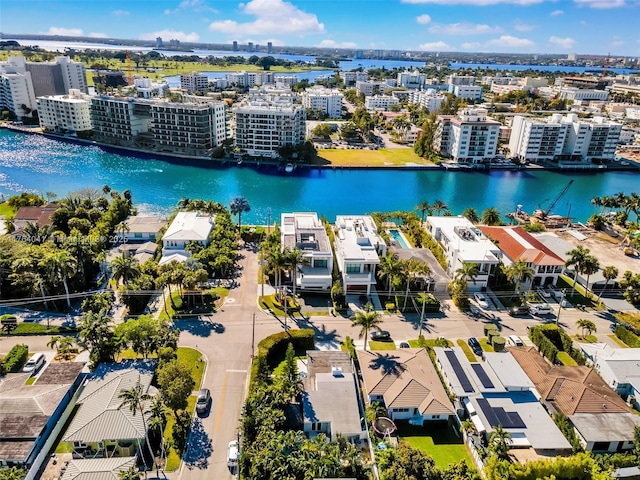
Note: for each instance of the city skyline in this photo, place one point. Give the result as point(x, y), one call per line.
point(501, 26)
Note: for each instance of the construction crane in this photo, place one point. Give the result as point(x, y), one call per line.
point(543, 213)
point(606, 66)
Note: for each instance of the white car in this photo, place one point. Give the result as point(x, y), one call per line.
point(481, 299)
point(515, 341)
point(233, 454)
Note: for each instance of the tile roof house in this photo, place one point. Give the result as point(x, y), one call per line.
point(407, 383)
point(40, 216)
point(100, 427)
point(330, 399)
point(584, 398)
point(143, 228)
point(97, 468)
point(31, 416)
point(517, 244)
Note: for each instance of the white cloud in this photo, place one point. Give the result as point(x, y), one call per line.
point(523, 27)
point(168, 34)
point(98, 35)
point(423, 19)
point(601, 3)
point(120, 13)
point(194, 5)
point(66, 32)
point(617, 42)
point(566, 43)
point(555, 13)
point(435, 46)
point(508, 41)
point(333, 44)
point(463, 28)
point(475, 2)
point(272, 17)
point(471, 45)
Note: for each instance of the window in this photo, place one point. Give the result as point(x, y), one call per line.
point(320, 263)
point(137, 234)
point(353, 268)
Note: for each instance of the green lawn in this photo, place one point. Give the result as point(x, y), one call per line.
point(485, 344)
point(467, 351)
point(438, 441)
point(370, 158)
point(41, 329)
point(620, 343)
point(429, 342)
point(6, 210)
point(579, 297)
point(566, 359)
point(373, 345)
point(587, 339)
point(173, 459)
point(280, 367)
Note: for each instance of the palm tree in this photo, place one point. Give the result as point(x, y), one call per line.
point(61, 266)
point(366, 321)
point(586, 325)
point(54, 342)
point(133, 398)
point(439, 206)
point(499, 442)
point(412, 269)
point(467, 426)
point(237, 206)
point(131, 473)
point(590, 266)
point(391, 268)
point(125, 269)
point(491, 216)
point(294, 258)
point(577, 258)
point(122, 228)
point(471, 214)
point(609, 273)
point(519, 271)
point(157, 421)
point(468, 271)
point(423, 207)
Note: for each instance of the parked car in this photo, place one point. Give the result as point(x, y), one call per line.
point(540, 309)
point(380, 335)
point(515, 341)
point(518, 311)
point(204, 399)
point(404, 345)
point(233, 454)
point(475, 346)
point(481, 299)
point(34, 363)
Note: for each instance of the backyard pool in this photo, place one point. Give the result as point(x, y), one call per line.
point(398, 237)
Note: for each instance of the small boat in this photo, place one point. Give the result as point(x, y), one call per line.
point(289, 168)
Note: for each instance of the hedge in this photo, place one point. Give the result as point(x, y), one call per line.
point(627, 336)
point(498, 343)
point(550, 340)
point(16, 358)
point(275, 346)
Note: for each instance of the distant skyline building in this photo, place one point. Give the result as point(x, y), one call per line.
point(235, 46)
point(269, 47)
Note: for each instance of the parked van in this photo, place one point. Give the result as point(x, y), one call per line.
point(514, 341)
point(34, 363)
point(233, 454)
point(540, 309)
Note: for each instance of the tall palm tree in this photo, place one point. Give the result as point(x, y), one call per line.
point(133, 398)
point(491, 216)
point(423, 207)
point(590, 266)
point(157, 421)
point(587, 326)
point(390, 268)
point(439, 206)
point(412, 269)
point(471, 214)
point(295, 258)
point(468, 271)
point(61, 266)
point(238, 206)
point(277, 264)
point(577, 258)
point(519, 271)
point(366, 321)
point(609, 273)
point(125, 269)
point(54, 342)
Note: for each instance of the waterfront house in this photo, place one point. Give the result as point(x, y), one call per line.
point(517, 244)
point(406, 383)
point(101, 426)
point(462, 243)
point(142, 228)
point(330, 399)
point(602, 420)
point(32, 416)
point(358, 248)
point(186, 227)
point(304, 232)
point(39, 216)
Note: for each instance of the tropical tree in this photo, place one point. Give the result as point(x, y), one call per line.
point(577, 259)
point(131, 473)
point(54, 342)
point(238, 206)
point(366, 321)
point(587, 326)
point(133, 398)
point(491, 216)
point(412, 269)
point(609, 273)
point(390, 268)
point(519, 271)
point(157, 421)
point(467, 426)
point(439, 206)
point(468, 271)
point(471, 214)
point(125, 269)
point(61, 266)
point(499, 441)
point(424, 207)
point(277, 261)
point(296, 258)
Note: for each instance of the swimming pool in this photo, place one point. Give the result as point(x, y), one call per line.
point(398, 237)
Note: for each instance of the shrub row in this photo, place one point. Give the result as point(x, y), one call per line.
point(16, 358)
point(627, 336)
point(550, 340)
point(567, 430)
point(545, 346)
point(275, 346)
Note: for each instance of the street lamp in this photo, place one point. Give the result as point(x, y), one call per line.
point(562, 292)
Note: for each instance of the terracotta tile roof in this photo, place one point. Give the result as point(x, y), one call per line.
point(518, 244)
point(569, 389)
point(405, 378)
point(40, 216)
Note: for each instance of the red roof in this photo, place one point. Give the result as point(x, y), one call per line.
point(39, 216)
point(518, 244)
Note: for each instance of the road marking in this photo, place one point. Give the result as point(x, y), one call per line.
point(219, 413)
point(236, 371)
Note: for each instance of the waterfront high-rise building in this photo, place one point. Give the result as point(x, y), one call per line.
point(413, 79)
point(65, 113)
point(194, 82)
point(57, 77)
point(16, 88)
point(469, 137)
point(119, 120)
point(263, 126)
point(326, 100)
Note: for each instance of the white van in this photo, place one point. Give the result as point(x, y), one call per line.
point(34, 363)
point(514, 341)
point(540, 309)
point(233, 454)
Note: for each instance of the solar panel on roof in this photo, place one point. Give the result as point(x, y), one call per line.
point(482, 375)
point(465, 383)
point(497, 416)
point(488, 412)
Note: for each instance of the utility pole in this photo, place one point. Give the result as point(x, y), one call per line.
point(268, 220)
point(560, 307)
point(253, 333)
point(422, 314)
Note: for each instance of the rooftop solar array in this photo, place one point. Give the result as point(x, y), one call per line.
point(482, 376)
point(497, 416)
point(465, 383)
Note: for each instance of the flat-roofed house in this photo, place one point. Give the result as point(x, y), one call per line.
point(304, 232)
point(186, 227)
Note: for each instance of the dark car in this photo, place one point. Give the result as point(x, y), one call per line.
point(380, 335)
point(475, 346)
point(518, 311)
point(404, 345)
point(203, 401)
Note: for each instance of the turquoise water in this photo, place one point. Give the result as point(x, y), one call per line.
point(397, 236)
point(35, 163)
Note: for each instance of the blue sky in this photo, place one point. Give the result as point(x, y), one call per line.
point(519, 26)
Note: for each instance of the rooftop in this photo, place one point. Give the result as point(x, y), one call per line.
point(305, 232)
point(357, 238)
point(472, 245)
point(97, 468)
point(142, 224)
point(190, 226)
point(518, 244)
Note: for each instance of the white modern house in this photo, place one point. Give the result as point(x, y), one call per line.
point(462, 243)
point(358, 248)
point(304, 232)
point(186, 227)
